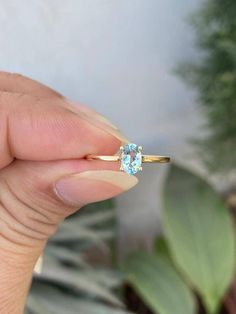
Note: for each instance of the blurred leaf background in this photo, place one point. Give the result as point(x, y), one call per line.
point(214, 78)
point(71, 282)
point(197, 255)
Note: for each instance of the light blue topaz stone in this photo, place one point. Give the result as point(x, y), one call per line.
point(131, 158)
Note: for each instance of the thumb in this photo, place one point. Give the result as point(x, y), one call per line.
point(34, 198)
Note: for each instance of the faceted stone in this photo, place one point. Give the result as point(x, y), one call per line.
point(131, 158)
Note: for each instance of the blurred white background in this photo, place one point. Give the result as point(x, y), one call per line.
point(117, 56)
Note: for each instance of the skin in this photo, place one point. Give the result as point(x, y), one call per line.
point(43, 137)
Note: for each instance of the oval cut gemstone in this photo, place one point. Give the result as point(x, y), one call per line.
point(131, 158)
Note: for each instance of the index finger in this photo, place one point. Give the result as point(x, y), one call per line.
point(48, 129)
point(17, 83)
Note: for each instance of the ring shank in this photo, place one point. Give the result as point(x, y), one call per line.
point(105, 158)
point(145, 158)
point(154, 158)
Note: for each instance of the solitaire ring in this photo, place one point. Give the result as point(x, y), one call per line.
point(131, 158)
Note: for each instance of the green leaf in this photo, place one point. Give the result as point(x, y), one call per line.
point(159, 284)
point(106, 278)
point(161, 246)
point(71, 231)
point(49, 300)
point(200, 234)
point(89, 220)
point(36, 306)
point(79, 281)
point(66, 255)
point(69, 283)
point(98, 206)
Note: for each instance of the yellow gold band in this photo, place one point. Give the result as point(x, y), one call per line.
point(154, 158)
point(145, 158)
point(105, 158)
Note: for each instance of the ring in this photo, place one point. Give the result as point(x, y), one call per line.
point(131, 158)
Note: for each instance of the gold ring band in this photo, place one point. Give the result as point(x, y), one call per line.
point(104, 158)
point(145, 158)
point(131, 158)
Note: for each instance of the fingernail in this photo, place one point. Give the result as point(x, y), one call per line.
point(99, 120)
point(91, 186)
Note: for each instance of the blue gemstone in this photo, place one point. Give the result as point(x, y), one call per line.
point(131, 158)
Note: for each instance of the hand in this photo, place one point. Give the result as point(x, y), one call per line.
point(44, 176)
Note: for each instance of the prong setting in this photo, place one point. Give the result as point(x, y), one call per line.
point(121, 156)
point(140, 149)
